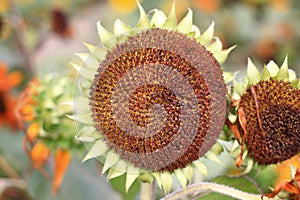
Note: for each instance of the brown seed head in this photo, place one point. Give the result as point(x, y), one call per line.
point(278, 138)
point(159, 99)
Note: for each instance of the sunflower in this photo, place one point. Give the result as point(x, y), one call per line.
point(43, 109)
point(156, 103)
point(8, 81)
point(268, 111)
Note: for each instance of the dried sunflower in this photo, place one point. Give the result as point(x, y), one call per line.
point(156, 103)
point(268, 111)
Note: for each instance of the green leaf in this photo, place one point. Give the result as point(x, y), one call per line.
point(118, 184)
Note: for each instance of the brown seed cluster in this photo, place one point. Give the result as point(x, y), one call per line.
point(278, 138)
point(166, 147)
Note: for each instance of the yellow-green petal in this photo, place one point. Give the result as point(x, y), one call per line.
point(166, 181)
point(131, 175)
point(98, 149)
point(181, 177)
point(200, 167)
point(82, 117)
point(253, 73)
point(221, 56)
point(143, 22)
point(158, 19)
point(111, 160)
point(120, 28)
point(171, 21)
point(107, 38)
point(189, 172)
point(215, 46)
point(84, 72)
point(87, 134)
point(98, 51)
point(211, 156)
point(207, 36)
point(283, 73)
point(273, 68)
point(157, 176)
point(265, 75)
point(186, 23)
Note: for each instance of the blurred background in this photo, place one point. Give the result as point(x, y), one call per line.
point(38, 37)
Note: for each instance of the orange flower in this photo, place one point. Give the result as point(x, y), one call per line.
point(293, 187)
point(24, 109)
point(62, 160)
point(8, 80)
point(284, 181)
point(123, 6)
point(7, 103)
point(284, 169)
point(39, 155)
point(281, 5)
point(208, 6)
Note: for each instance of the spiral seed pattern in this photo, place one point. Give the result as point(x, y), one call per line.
point(159, 99)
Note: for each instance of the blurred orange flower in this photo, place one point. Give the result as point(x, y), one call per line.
point(284, 181)
point(123, 6)
point(207, 6)
point(8, 81)
point(280, 5)
point(62, 160)
point(36, 150)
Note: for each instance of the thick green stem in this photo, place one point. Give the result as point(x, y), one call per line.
point(147, 191)
point(214, 187)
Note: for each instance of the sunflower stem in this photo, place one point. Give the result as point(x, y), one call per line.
point(147, 191)
point(214, 187)
point(16, 21)
point(8, 170)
